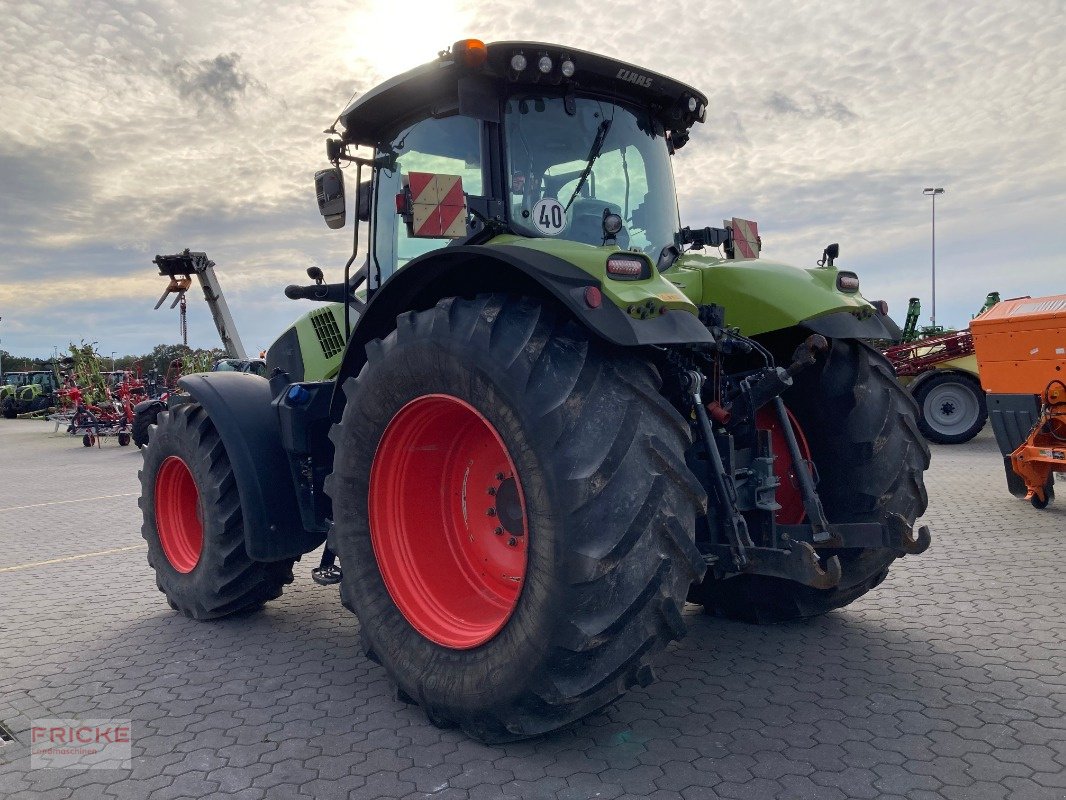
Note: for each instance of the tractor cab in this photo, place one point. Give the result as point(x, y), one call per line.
point(15, 379)
point(45, 379)
point(522, 138)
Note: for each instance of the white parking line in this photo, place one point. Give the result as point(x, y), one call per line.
point(72, 558)
point(79, 500)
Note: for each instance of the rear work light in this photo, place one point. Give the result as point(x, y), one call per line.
point(627, 267)
point(848, 282)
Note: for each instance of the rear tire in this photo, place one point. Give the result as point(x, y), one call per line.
point(952, 408)
point(860, 425)
point(609, 504)
point(8, 409)
point(193, 524)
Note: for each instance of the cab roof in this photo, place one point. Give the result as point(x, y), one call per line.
point(446, 86)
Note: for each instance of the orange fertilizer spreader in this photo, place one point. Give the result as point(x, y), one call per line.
point(1021, 356)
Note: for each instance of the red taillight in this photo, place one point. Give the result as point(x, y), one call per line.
point(627, 267)
point(401, 202)
point(593, 296)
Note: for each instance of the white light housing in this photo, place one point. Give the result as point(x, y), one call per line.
point(701, 112)
point(692, 105)
point(567, 68)
point(518, 62)
point(544, 65)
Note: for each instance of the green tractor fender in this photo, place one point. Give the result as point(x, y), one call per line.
point(468, 270)
point(761, 296)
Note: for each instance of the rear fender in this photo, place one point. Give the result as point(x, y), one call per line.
point(239, 405)
point(763, 296)
point(469, 270)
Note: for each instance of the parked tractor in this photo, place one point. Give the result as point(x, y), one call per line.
point(11, 383)
point(557, 417)
point(33, 392)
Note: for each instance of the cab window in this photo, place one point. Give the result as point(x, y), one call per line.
point(448, 146)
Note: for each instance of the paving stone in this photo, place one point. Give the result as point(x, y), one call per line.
point(948, 682)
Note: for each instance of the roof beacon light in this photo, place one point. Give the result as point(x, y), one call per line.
point(567, 68)
point(544, 65)
point(471, 53)
point(692, 103)
point(518, 62)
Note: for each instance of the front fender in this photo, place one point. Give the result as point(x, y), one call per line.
point(239, 405)
point(760, 296)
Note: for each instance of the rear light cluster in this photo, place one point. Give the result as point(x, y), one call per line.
point(848, 282)
point(627, 267)
point(542, 66)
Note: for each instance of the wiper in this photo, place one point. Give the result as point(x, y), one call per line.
point(594, 153)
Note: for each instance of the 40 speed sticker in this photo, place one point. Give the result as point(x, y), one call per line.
point(549, 217)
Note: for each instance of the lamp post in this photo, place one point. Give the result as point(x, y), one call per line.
point(112, 360)
point(929, 191)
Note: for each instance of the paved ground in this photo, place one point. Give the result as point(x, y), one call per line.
point(947, 683)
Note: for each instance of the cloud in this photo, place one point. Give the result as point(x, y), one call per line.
point(217, 81)
point(135, 127)
point(810, 105)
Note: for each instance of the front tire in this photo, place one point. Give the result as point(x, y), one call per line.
point(952, 408)
point(603, 511)
point(860, 425)
point(143, 420)
point(193, 524)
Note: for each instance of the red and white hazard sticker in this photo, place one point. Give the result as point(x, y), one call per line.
point(438, 205)
point(746, 242)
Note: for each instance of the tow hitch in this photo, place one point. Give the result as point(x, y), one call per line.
point(806, 553)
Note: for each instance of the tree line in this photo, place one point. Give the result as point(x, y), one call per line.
point(157, 360)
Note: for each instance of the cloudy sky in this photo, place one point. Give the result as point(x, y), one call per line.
point(133, 128)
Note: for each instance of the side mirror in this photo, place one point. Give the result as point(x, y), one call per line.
point(364, 201)
point(315, 274)
point(329, 187)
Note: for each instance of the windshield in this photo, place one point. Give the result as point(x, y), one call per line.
point(565, 169)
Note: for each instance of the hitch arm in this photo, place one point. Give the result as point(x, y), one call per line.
point(805, 355)
point(735, 526)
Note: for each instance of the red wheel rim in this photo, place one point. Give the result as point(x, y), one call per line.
point(177, 514)
point(448, 521)
point(789, 496)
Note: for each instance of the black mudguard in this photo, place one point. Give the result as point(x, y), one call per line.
point(846, 325)
point(469, 270)
point(239, 405)
point(144, 405)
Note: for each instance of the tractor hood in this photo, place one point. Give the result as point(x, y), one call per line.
point(456, 83)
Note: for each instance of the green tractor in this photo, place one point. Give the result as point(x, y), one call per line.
point(556, 416)
point(11, 383)
point(30, 393)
